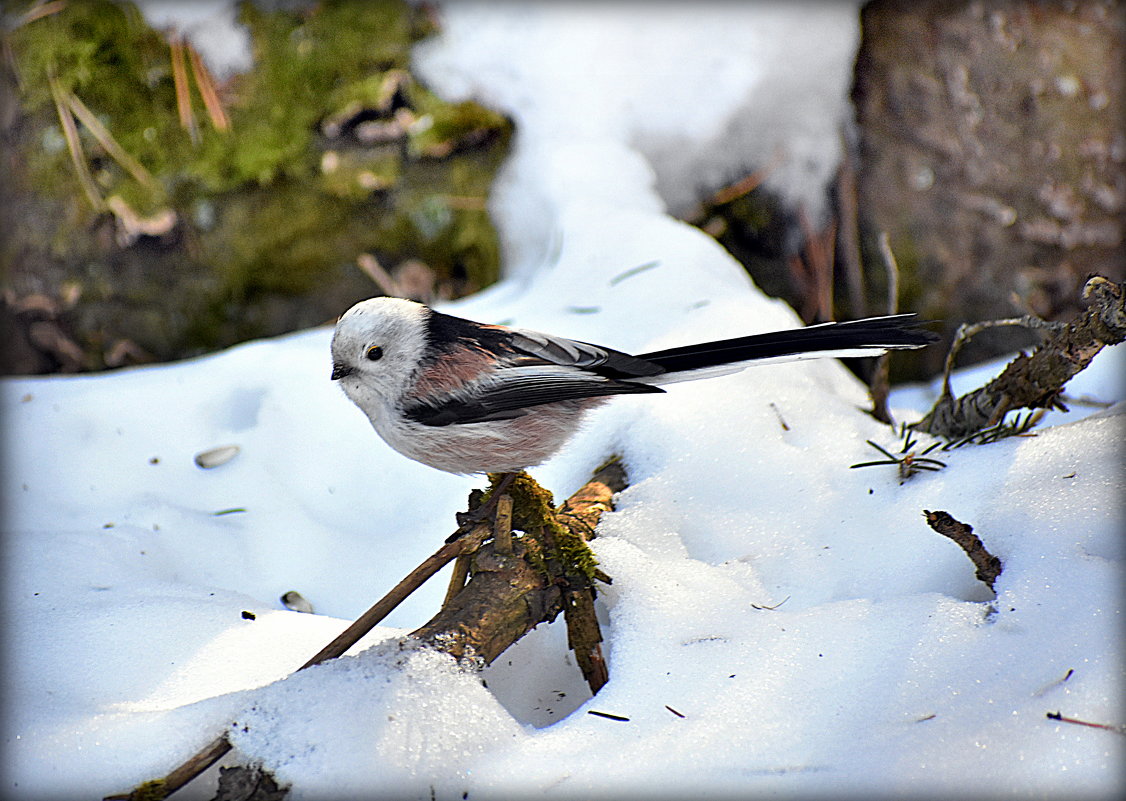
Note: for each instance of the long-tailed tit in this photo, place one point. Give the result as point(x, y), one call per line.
point(465, 397)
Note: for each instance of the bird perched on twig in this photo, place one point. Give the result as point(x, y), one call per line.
point(465, 397)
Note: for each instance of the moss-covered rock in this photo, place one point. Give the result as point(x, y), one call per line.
point(136, 237)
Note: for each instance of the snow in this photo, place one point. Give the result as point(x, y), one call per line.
point(211, 26)
point(815, 634)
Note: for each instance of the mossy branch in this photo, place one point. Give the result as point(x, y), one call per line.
point(550, 569)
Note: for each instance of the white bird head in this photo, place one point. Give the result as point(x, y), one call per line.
point(377, 347)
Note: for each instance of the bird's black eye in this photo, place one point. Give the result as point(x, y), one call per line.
point(374, 354)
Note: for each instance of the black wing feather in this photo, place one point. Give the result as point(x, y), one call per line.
point(507, 399)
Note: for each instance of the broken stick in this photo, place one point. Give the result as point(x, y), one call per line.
point(1035, 381)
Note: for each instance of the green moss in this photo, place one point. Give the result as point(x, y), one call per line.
point(154, 790)
point(533, 508)
point(284, 201)
point(445, 122)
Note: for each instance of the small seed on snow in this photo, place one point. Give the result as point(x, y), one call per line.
point(295, 602)
point(216, 456)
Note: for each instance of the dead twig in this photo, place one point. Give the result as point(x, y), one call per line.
point(38, 11)
point(732, 192)
point(880, 385)
point(1120, 729)
point(549, 571)
point(746, 185)
point(206, 85)
point(183, 89)
point(378, 274)
point(1033, 381)
point(502, 528)
point(812, 269)
point(413, 580)
point(458, 577)
point(109, 143)
point(217, 748)
point(608, 715)
point(988, 566)
point(967, 331)
point(74, 146)
point(848, 242)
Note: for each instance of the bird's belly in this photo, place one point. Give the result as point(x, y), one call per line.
point(495, 446)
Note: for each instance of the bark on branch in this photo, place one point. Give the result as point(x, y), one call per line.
point(988, 566)
point(550, 570)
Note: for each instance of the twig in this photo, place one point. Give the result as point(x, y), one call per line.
point(582, 511)
point(747, 184)
point(892, 268)
point(107, 141)
point(181, 775)
point(415, 579)
point(217, 748)
point(584, 637)
point(848, 243)
point(1035, 381)
point(1053, 684)
point(967, 331)
point(498, 484)
point(379, 275)
point(607, 715)
point(458, 576)
point(880, 386)
point(1109, 727)
point(206, 85)
point(38, 11)
point(632, 271)
point(74, 146)
point(502, 528)
point(988, 566)
point(812, 269)
point(183, 90)
point(763, 607)
point(778, 414)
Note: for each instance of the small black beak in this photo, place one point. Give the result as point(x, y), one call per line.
point(340, 370)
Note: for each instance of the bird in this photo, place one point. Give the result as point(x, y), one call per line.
point(470, 398)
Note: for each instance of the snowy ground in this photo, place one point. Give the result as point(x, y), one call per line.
point(885, 668)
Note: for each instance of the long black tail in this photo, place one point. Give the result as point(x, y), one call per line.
point(894, 332)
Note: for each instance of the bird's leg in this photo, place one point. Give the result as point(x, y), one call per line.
point(498, 484)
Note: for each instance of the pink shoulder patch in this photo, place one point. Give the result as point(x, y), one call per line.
point(451, 373)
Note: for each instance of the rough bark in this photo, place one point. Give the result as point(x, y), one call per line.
point(992, 149)
point(988, 566)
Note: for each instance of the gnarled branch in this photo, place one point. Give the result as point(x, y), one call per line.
point(507, 595)
point(1036, 381)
